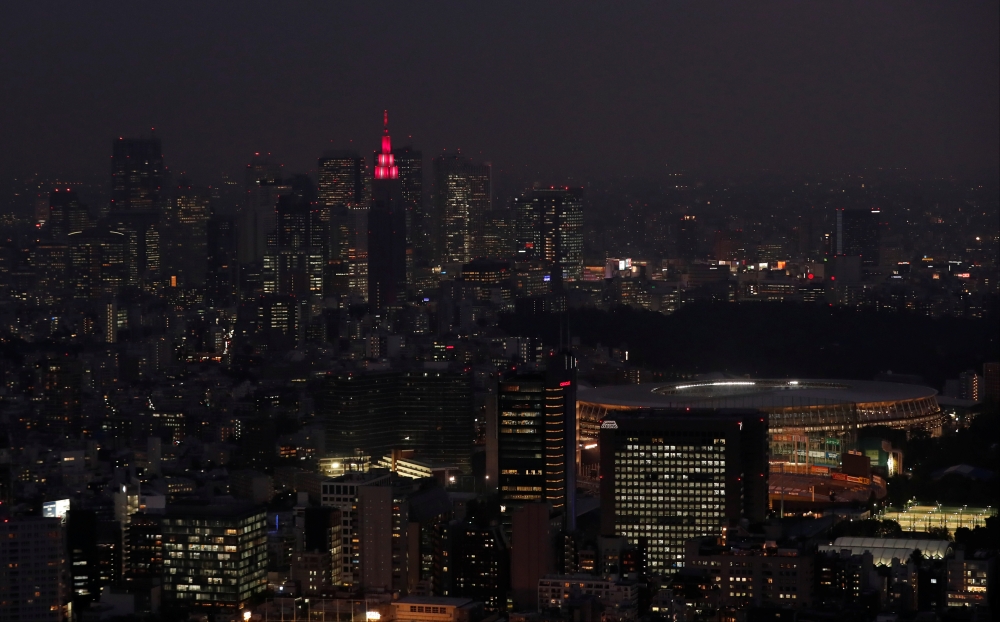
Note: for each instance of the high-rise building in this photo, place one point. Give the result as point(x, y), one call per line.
point(463, 196)
point(33, 569)
point(295, 263)
point(142, 232)
point(264, 184)
point(387, 238)
point(428, 411)
point(344, 196)
point(669, 476)
point(66, 214)
point(221, 266)
point(411, 181)
point(536, 438)
point(470, 560)
point(380, 523)
point(550, 228)
point(857, 235)
point(532, 555)
point(214, 556)
point(185, 236)
point(136, 174)
point(344, 494)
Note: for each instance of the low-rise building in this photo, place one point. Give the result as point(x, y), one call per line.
point(753, 574)
point(557, 591)
point(968, 580)
point(436, 609)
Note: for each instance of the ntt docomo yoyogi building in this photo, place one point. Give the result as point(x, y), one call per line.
point(809, 421)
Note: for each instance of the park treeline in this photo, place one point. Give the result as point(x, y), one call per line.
point(777, 339)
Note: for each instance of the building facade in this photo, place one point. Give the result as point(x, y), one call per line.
point(668, 477)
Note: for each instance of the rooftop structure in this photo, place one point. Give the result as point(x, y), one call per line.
point(810, 421)
point(884, 550)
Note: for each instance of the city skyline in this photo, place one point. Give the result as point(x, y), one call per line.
point(700, 323)
point(782, 87)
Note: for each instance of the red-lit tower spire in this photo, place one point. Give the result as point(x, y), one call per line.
point(385, 163)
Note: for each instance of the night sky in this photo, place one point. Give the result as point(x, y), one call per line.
point(568, 89)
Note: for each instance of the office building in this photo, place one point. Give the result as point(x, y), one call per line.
point(66, 214)
point(373, 534)
point(427, 411)
point(33, 569)
point(672, 475)
point(380, 524)
point(255, 221)
point(136, 174)
point(550, 229)
point(295, 263)
point(344, 193)
point(387, 237)
point(463, 196)
point(558, 591)
point(536, 438)
point(411, 181)
point(968, 580)
point(142, 232)
point(532, 552)
point(753, 576)
point(184, 244)
point(857, 235)
point(214, 557)
point(470, 561)
point(221, 275)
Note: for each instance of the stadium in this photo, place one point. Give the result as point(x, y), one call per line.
point(812, 422)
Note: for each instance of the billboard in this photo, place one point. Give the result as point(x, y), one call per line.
point(56, 509)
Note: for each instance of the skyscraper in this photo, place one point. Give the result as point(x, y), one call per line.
point(669, 476)
point(857, 235)
point(386, 230)
point(344, 191)
point(411, 181)
point(185, 235)
point(463, 196)
point(136, 173)
point(256, 216)
point(428, 411)
point(536, 438)
point(221, 272)
point(66, 214)
point(550, 228)
point(296, 260)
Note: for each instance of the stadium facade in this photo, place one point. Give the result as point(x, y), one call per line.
point(810, 421)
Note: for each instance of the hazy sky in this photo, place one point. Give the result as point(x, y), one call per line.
point(555, 88)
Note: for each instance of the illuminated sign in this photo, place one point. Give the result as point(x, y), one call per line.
point(56, 509)
point(565, 383)
point(609, 425)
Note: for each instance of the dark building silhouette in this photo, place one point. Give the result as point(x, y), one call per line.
point(411, 182)
point(66, 214)
point(857, 235)
point(428, 411)
point(471, 561)
point(222, 274)
point(136, 174)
